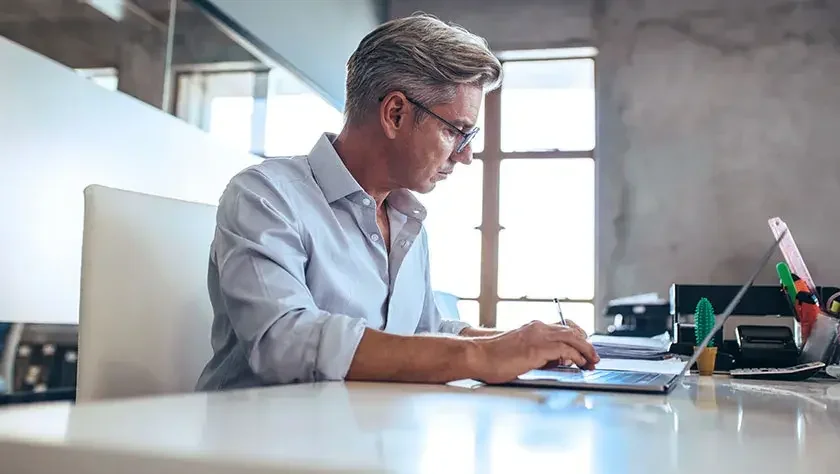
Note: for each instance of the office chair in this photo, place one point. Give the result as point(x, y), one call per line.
point(145, 314)
point(447, 304)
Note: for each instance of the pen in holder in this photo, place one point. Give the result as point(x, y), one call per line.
point(803, 302)
point(704, 322)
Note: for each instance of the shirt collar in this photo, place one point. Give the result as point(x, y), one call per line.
point(405, 203)
point(329, 171)
point(336, 182)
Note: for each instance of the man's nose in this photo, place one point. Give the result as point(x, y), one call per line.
point(465, 157)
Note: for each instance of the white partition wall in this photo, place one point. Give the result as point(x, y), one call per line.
point(60, 132)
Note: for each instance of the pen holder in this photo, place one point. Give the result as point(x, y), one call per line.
point(823, 344)
point(706, 361)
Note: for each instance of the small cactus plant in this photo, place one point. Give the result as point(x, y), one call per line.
point(704, 322)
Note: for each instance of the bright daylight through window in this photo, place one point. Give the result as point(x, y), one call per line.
point(270, 112)
point(545, 182)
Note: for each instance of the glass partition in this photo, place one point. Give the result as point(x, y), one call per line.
point(173, 56)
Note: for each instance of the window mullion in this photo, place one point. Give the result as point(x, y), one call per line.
point(490, 226)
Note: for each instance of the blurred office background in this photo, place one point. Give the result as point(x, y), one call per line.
point(633, 144)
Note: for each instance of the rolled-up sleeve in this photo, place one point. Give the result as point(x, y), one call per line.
point(431, 319)
point(261, 261)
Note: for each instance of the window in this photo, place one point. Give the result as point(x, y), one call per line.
point(539, 217)
point(230, 118)
point(266, 112)
point(546, 249)
point(468, 312)
point(454, 240)
point(222, 103)
point(512, 314)
point(548, 105)
point(296, 116)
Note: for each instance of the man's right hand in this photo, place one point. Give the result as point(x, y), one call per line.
point(504, 357)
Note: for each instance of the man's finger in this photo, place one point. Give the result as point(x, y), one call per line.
point(569, 353)
point(584, 348)
point(578, 328)
point(572, 325)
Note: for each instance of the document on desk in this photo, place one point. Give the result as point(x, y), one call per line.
point(623, 347)
point(672, 366)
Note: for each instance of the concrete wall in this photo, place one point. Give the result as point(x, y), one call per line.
point(312, 38)
point(713, 116)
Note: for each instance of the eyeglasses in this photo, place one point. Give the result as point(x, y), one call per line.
point(466, 137)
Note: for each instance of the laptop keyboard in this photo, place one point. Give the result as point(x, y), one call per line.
point(635, 378)
point(594, 376)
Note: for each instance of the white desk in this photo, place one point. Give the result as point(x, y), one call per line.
point(712, 426)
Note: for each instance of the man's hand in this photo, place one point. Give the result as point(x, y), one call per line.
point(578, 330)
point(504, 357)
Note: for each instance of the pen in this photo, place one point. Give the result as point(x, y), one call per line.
point(786, 279)
point(560, 312)
point(807, 306)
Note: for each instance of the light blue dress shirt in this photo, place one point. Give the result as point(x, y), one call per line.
point(298, 270)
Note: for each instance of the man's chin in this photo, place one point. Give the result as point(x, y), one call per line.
point(424, 186)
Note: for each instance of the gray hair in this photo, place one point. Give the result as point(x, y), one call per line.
point(421, 56)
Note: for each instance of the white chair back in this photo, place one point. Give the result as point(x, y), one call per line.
point(145, 314)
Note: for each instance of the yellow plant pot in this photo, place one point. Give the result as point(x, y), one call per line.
point(706, 361)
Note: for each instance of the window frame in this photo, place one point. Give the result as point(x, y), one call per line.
point(491, 157)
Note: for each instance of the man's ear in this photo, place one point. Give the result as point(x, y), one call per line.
point(393, 113)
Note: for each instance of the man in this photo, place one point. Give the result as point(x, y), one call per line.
point(319, 268)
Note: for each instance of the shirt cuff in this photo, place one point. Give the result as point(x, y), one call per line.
point(452, 326)
point(338, 343)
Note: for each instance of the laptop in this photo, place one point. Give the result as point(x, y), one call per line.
point(626, 381)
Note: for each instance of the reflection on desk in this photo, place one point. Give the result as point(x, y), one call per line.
point(708, 425)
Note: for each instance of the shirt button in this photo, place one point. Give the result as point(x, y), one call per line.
point(403, 243)
point(366, 201)
point(374, 237)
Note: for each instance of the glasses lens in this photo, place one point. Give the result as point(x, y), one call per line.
point(466, 139)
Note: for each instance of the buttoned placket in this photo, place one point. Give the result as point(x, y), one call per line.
point(370, 228)
point(404, 235)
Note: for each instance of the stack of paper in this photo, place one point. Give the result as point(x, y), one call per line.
point(623, 347)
